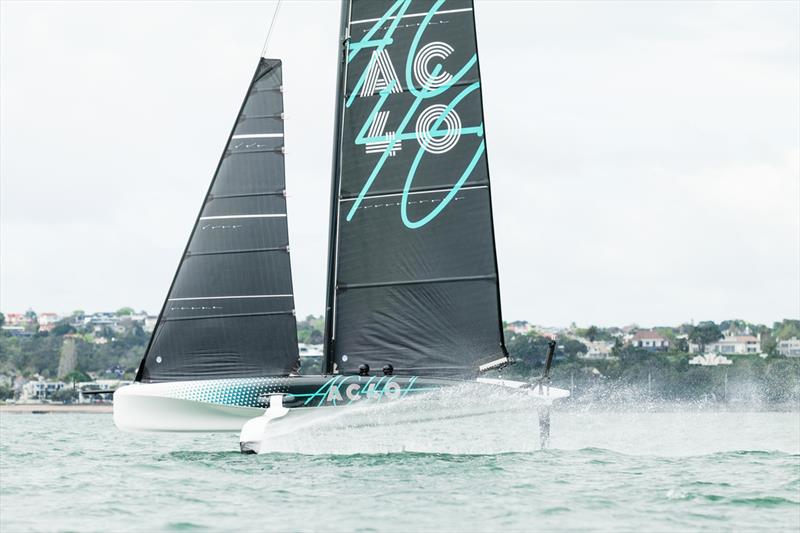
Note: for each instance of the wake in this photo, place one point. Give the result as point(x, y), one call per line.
point(470, 420)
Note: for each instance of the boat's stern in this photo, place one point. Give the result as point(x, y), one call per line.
point(159, 407)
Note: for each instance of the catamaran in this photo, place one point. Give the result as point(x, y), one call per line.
point(413, 300)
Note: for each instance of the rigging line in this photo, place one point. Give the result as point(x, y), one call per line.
point(269, 32)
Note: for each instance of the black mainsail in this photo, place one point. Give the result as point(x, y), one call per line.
point(230, 310)
point(413, 272)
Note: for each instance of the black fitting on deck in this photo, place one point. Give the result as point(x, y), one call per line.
point(388, 370)
point(363, 369)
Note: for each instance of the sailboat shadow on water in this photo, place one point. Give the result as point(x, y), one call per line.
point(413, 301)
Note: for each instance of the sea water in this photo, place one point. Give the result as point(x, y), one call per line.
point(449, 462)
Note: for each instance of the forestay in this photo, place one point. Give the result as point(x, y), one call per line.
point(413, 279)
point(230, 309)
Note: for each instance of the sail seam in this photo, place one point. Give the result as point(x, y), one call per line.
point(413, 15)
point(246, 195)
point(230, 297)
point(278, 150)
point(235, 315)
point(349, 198)
point(257, 136)
point(347, 286)
point(265, 215)
point(243, 251)
point(253, 117)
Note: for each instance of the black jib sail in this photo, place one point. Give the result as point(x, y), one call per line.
point(413, 273)
point(230, 309)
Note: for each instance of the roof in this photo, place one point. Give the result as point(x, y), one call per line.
point(740, 338)
point(648, 335)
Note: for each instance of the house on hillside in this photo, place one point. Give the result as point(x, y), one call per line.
point(39, 390)
point(736, 345)
point(17, 319)
point(597, 349)
point(519, 327)
point(649, 340)
point(100, 321)
point(149, 323)
point(790, 347)
point(47, 321)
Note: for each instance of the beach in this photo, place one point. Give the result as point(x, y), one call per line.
point(48, 408)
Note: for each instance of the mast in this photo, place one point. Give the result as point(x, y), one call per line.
point(330, 296)
point(503, 348)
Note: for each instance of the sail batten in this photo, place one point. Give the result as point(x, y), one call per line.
point(413, 277)
point(229, 312)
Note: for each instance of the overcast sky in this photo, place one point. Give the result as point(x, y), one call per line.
point(645, 156)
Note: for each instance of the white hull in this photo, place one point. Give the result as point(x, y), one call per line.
point(150, 407)
point(179, 407)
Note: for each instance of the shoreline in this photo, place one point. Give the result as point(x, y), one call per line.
point(49, 408)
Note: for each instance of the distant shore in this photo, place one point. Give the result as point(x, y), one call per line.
point(47, 408)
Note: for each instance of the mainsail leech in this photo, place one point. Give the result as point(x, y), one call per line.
point(413, 272)
point(230, 310)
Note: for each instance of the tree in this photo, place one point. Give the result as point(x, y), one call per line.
point(62, 329)
point(66, 395)
point(316, 337)
point(573, 348)
point(705, 333)
point(681, 344)
point(528, 349)
point(76, 376)
point(631, 354)
point(6, 392)
point(786, 329)
point(2, 320)
point(123, 311)
point(591, 333)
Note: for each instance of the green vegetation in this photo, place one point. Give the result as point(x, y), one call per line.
point(663, 374)
point(310, 330)
point(66, 395)
point(705, 333)
point(6, 392)
point(40, 353)
point(117, 352)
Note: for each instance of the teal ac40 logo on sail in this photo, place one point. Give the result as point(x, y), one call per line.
point(438, 127)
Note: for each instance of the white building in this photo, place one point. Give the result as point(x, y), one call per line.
point(17, 319)
point(649, 340)
point(309, 350)
point(100, 320)
point(789, 348)
point(736, 345)
point(520, 327)
point(710, 359)
point(39, 390)
point(597, 349)
point(149, 324)
point(46, 319)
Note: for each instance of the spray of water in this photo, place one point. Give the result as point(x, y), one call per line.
point(475, 420)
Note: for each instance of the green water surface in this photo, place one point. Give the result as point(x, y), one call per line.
point(606, 471)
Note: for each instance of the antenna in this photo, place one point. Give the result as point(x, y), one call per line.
point(269, 32)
